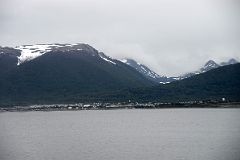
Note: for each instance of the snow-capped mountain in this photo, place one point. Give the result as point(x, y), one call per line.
point(148, 73)
point(229, 62)
point(9, 57)
point(30, 52)
point(67, 73)
point(207, 67)
point(62, 73)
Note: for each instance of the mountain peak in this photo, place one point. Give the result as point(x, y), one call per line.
point(210, 63)
point(140, 68)
point(148, 73)
point(232, 61)
point(29, 52)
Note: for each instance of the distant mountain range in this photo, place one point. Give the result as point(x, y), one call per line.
point(148, 73)
point(69, 73)
point(208, 66)
point(221, 82)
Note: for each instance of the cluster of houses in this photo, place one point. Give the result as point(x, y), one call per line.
point(122, 105)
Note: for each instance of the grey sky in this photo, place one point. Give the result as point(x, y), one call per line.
point(170, 36)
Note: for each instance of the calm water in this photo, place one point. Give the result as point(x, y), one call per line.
point(163, 134)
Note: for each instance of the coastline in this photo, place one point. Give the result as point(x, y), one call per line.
point(107, 106)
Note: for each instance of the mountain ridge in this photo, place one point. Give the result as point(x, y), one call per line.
point(29, 52)
point(80, 73)
point(141, 68)
point(213, 85)
point(209, 65)
point(60, 73)
point(148, 73)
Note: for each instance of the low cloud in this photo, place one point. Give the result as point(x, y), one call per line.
point(170, 36)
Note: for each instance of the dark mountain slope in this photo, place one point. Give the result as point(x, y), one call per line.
point(65, 73)
point(65, 76)
point(148, 73)
point(8, 59)
point(214, 84)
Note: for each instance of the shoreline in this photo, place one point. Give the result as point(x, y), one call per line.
point(77, 107)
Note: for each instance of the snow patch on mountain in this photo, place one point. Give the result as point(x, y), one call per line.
point(26, 53)
point(207, 67)
point(144, 70)
point(106, 58)
point(30, 52)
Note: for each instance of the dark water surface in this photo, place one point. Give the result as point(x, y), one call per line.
point(160, 134)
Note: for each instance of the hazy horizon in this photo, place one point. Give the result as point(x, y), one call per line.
point(169, 36)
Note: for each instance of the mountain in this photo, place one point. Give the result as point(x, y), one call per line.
point(151, 75)
point(221, 82)
point(71, 73)
point(148, 73)
point(49, 73)
point(30, 52)
point(230, 61)
point(8, 59)
point(207, 67)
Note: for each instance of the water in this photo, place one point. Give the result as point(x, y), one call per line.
point(163, 134)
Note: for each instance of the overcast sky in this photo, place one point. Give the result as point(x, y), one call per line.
point(169, 36)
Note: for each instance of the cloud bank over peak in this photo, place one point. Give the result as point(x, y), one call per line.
point(170, 36)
